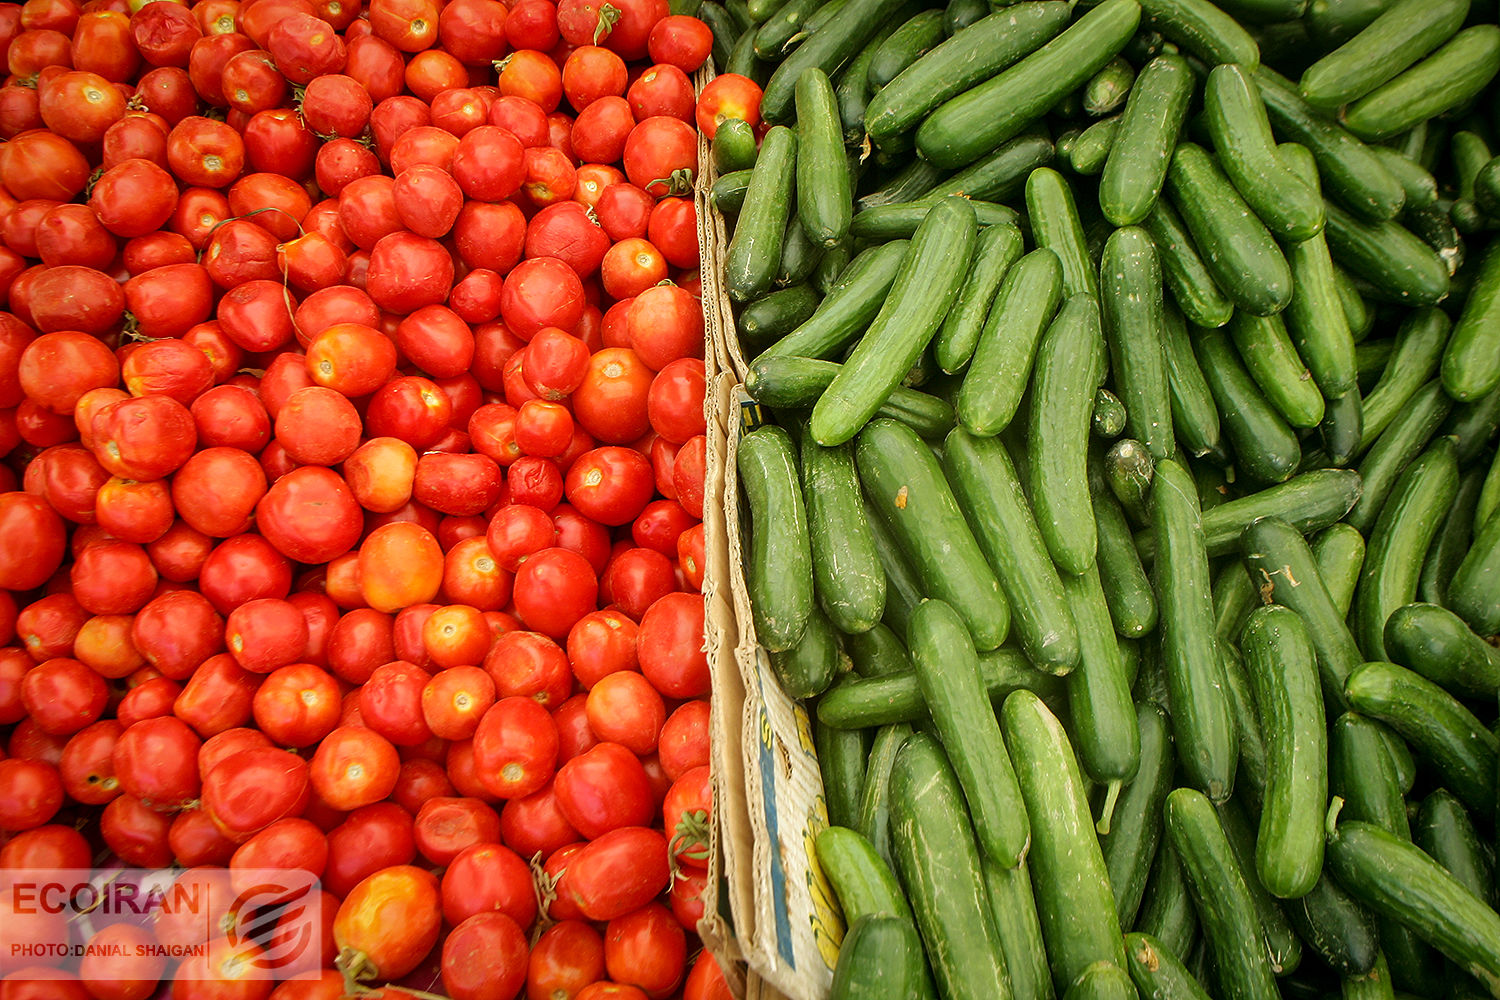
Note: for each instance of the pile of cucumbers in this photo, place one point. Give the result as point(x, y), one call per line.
point(1127, 501)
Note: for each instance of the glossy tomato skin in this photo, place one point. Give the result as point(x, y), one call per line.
point(619, 871)
point(390, 921)
point(604, 788)
point(485, 958)
point(553, 589)
point(646, 948)
point(515, 747)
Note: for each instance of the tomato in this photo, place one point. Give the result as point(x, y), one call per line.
point(541, 292)
point(604, 788)
point(566, 958)
point(623, 708)
point(726, 96)
point(370, 839)
point(457, 485)
point(155, 760)
point(567, 231)
point(611, 484)
point(553, 589)
point(448, 826)
point(681, 41)
point(660, 155)
point(249, 790)
point(353, 358)
point(684, 739)
point(515, 747)
point(309, 515)
point(388, 923)
point(706, 980)
point(336, 105)
point(298, 704)
point(454, 701)
point(688, 474)
point(646, 948)
point(534, 76)
point(136, 832)
point(529, 665)
point(412, 408)
point(31, 792)
point(670, 646)
point(400, 564)
point(662, 90)
point(408, 272)
point(617, 872)
point(665, 323)
point(53, 846)
point(635, 578)
point(590, 73)
point(266, 634)
point(119, 963)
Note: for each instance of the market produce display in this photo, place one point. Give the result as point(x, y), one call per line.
point(352, 412)
point(1121, 494)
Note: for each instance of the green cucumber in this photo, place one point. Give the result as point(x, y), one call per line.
point(1055, 225)
point(1342, 429)
point(1225, 909)
point(1134, 321)
point(810, 665)
point(1001, 365)
point(1137, 164)
point(728, 192)
point(1372, 985)
point(995, 250)
point(1127, 590)
point(841, 759)
point(907, 491)
point(848, 307)
point(900, 220)
point(863, 883)
point(913, 39)
point(1200, 712)
point(1130, 845)
point(776, 314)
point(880, 955)
point(1090, 152)
point(785, 381)
point(754, 251)
point(986, 485)
point(1099, 701)
point(1128, 469)
point(1407, 435)
point(878, 653)
point(911, 182)
point(967, 126)
point(1158, 974)
point(799, 254)
point(1340, 552)
point(1251, 773)
point(1065, 374)
point(904, 589)
point(959, 14)
point(1267, 353)
point(1445, 831)
point(1437, 644)
point(1167, 911)
point(734, 146)
point(725, 31)
point(1343, 933)
point(1203, 30)
point(1235, 595)
point(774, 37)
point(1074, 901)
point(1454, 536)
point(924, 288)
point(1386, 254)
point(847, 576)
point(1102, 981)
point(1315, 317)
point(1282, 666)
point(1001, 174)
point(828, 48)
point(1471, 360)
point(1474, 591)
point(1403, 33)
point(1241, 256)
point(879, 701)
point(824, 199)
point(1361, 314)
point(1283, 947)
point(1362, 771)
point(778, 562)
point(1109, 88)
point(1013, 906)
point(1264, 447)
point(852, 83)
point(1418, 351)
point(872, 818)
point(1447, 78)
point(1195, 416)
point(1472, 425)
point(1108, 421)
point(940, 871)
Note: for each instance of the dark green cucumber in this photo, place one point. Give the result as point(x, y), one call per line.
point(1362, 771)
point(1264, 447)
point(847, 577)
point(1099, 701)
point(879, 701)
point(848, 307)
point(1474, 591)
point(924, 288)
point(1001, 174)
point(785, 381)
point(1241, 134)
point(1418, 351)
point(1157, 973)
point(940, 871)
point(917, 36)
point(1134, 318)
point(880, 953)
point(904, 589)
point(1342, 428)
point(1000, 368)
point(1235, 595)
point(1315, 317)
point(813, 662)
point(1127, 590)
point(1471, 359)
point(1109, 415)
point(1398, 880)
point(900, 220)
point(863, 883)
point(742, 60)
point(1454, 536)
point(995, 250)
point(967, 126)
point(778, 562)
point(1195, 416)
point(774, 36)
point(824, 198)
point(987, 487)
point(776, 314)
point(1447, 78)
point(734, 146)
point(1438, 726)
point(1055, 225)
point(1267, 352)
point(909, 494)
point(1134, 833)
point(799, 254)
point(1203, 30)
point(841, 759)
point(1473, 424)
point(1407, 434)
point(728, 192)
point(1250, 776)
point(959, 14)
point(1200, 713)
point(1445, 831)
point(1091, 150)
point(911, 182)
point(828, 48)
point(1109, 88)
point(1283, 947)
point(1127, 469)
point(1167, 911)
point(1403, 33)
point(1416, 180)
point(970, 57)
point(1331, 22)
point(877, 652)
point(1282, 665)
point(1343, 933)
point(852, 83)
point(754, 251)
point(1225, 909)
point(1287, 574)
point(1137, 164)
point(1240, 254)
point(1013, 906)
point(1437, 644)
point(872, 819)
point(1074, 902)
point(1387, 255)
point(725, 31)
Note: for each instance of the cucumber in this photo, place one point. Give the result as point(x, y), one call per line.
point(1251, 773)
point(1474, 591)
point(913, 39)
point(1445, 831)
point(1102, 981)
point(1201, 721)
point(1001, 365)
point(778, 562)
point(1386, 254)
point(1315, 317)
point(1128, 469)
point(959, 14)
point(852, 83)
point(1416, 180)
point(1074, 901)
point(776, 314)
point(1264, 447)
point(1109, 88)
point(1091, 150)
point(828, 48)
point(970, 57)
point(1403, 33)
point(1167, 912)
point(1013, 906)
point(911, 182)
point(1203, 30)
point(1283, 670)
point(1055, 225)
point(1065, 374)
point(810, 665)
point(1373, 985)
point(1437, 644)
point(900, 220)
point(1407, 435)
point(1131, 842)
point(863, 883)
point(982, 117)
point(940, 871)
point(872, 818)
point(1001, 174)
point(1342, 429)
point(1471, 359)
point(1343, 933)
point(1099, 704)
point(1195, 416)
point(725, 31)
point(904, 590)
point(878, 653)
point(1418, 351)
point(1267, 353)
point(1447, 78)
point(1398, 880)
point(924, 288)
point(1471, 425)
point(1362, 771)
point(754, 251)
point(1225, 909)
point(734, 146)
point(728, 192)
point(1138, 158)
point(1158, 974)
point(879, 701)
point(1127, 590)
point(824, 197)
point(1108, 420)
point(995, 250)
point(841, 759)
point(947, 669)
point(847, 577)
point(1440, 729)
point(774, 37)
point(1283, 947)
point(1235, 596)
point(985, 484)
point(1288, 574)
point(799, 255)
point(784, 381)
point(1454, 536)
point(908, 493)
point(1241, 257)
point(880, 956)
point(1134, 321)
point(848, 307)
point(1236, 116)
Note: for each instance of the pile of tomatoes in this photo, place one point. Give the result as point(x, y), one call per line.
point(352, 424)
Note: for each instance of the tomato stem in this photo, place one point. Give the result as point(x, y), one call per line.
point(609, 16)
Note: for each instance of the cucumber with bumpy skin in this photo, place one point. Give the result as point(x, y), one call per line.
point(1137, 164)
point(847, 577)
point(778, 563)
point(1000, 368)
point(1134, 317)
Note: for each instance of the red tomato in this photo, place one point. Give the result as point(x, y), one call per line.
point(447, 826)
point(670, 647)
point(485, 958)
point(646, 948)
point(370, 839)
point(611, 484)
point(251, 789)
point(604, 788)
point(297, 705)
point(515, 747)
point(119, 963)
point(681, 41)
point(553, 589)
point(533, 824)
point(686, 811)
point(617, 872)
point(623, 708)
point(541, 292)
point(31, 792)
point(156, 760)
point(684, 739)
point(400, 564)
point(706, 980)
point(388, 923)
point(661, 155)
point(566, 958)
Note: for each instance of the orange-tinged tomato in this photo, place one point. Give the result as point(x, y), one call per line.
point(400, 564)
point(388, 923)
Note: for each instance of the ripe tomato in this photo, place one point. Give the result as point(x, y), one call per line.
point(706, 980)
point(156, 760)
point(685, 815)
point(400, 564)
point(249, 790)
point(553, 589)
point(567, 957)
point(684, 739)
point(515, 747)
point(660, 155)
point(646, 948)
point(388, 923)
point(617, 872)
point(297, 705)
point(604, 788)
point(447, 826)
point(485, 958)
point(31, 792)
point(726, 96)
point(624, 708)
point(670, 646)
